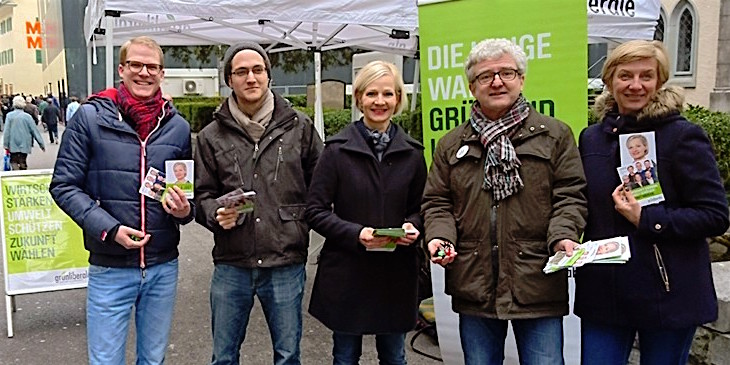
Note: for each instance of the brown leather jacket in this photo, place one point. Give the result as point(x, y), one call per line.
point(498, 272)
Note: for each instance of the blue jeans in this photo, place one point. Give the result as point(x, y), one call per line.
point(112, 294)
point(280, 292)
point(348, 348)
point(606, 344)
point(539, 340)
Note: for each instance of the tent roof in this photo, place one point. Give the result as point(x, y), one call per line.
point(382, 25)
point(611, 24)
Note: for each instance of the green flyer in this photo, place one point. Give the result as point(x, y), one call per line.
point(43, 249)
point(553, 34)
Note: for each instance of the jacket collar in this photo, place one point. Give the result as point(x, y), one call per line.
point(352, 140)
point(283, 113)
point(531, 126)
point(668, 100)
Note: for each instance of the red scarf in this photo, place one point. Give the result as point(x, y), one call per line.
point(140, 114)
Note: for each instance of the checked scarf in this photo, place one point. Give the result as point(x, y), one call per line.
point(501, 168)
point(140, 114)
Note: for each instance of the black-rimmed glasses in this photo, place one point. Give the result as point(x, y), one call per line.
point(243, 72)
point(505, 74)
point(136, 67)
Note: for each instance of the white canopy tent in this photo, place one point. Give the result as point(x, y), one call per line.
point(620, 21)
point(380, 25)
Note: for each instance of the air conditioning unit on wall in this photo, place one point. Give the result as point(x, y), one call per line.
point(192, 87)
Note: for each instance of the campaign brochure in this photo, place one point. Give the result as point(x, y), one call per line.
point(638, 170)
point(180, 173)
point(154, 184)
point(239, 199)
point(614, 250)
point(395, 233)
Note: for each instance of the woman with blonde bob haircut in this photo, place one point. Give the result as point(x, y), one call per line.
point(373, 174)
point(666, 290)
point(373, 71)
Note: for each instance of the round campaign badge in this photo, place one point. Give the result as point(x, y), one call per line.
point(462, 151)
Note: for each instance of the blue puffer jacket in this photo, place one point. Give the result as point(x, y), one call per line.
point(100, 166)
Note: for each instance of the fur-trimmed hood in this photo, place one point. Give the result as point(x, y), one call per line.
point(668, 99)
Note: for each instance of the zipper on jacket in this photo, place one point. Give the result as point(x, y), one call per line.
point(279, 160)
point(238, 169)
point(662, 267)
point(143, 165)
point(255, 151)
point(495, 245)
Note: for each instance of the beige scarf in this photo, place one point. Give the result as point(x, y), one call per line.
point(256, 124)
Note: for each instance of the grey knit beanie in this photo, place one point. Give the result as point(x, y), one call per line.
point(238, 47)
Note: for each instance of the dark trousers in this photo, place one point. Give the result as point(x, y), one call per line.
point(18, 160)
point(53, 132)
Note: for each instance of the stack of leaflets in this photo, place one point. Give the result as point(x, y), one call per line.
point(614, 250)
point(239, 199)
point(154, 184)
point(394, 233)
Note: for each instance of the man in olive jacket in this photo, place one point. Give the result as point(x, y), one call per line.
point(257, 142)
point(504, 192)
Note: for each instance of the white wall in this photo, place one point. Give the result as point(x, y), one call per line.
point(207, 79)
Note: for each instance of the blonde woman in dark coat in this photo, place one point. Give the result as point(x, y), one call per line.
point(665, 290)
point(370, 175)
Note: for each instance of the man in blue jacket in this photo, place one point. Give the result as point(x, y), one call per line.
point(132, 240)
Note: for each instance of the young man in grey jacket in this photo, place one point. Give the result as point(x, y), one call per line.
point(257, 142)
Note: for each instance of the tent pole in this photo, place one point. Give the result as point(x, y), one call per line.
point(108, 38)
point(318, 118)
point(88, 69)
point(416, 74)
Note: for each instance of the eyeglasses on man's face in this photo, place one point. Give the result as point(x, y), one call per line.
point(136, 67)
point(505, 74)
point(243, 71)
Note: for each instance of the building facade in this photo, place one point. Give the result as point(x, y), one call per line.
point(31, 47)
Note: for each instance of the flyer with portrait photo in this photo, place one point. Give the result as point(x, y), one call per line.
point(154, 184)
point(241, 200)
point(638, 170)
point(613, 250)
point(180, 173)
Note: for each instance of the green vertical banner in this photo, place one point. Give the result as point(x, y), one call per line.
point(553, 34)
point(43, 249)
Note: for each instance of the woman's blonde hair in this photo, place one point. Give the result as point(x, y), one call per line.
point(636, 50)
point(373, 71)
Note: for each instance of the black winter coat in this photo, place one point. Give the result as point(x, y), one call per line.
point(634, 294)
point(357, 291)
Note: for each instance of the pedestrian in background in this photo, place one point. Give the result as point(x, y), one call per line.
point(32, 110)
point(51, 117)
point(71, 108)
point(20, 131)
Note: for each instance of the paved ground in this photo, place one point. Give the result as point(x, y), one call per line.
point(50, 327)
